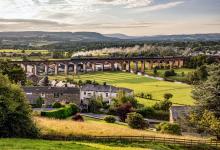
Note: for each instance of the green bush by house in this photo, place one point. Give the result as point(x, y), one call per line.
point(110, 119)
point(61, 113)
point(171, 128)
point(57, 105)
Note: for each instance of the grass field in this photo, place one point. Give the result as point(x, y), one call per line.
point(20, 51)
point(181, 73)
point(181, 92)
point(28, 144)
point(94, 128)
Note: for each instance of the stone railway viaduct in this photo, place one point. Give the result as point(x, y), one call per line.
point(134, 64)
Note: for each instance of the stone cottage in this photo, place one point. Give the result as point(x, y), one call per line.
point(53, 94)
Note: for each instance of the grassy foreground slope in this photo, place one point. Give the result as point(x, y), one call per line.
point(181, 92)
point(28, 144)
point(94, 128)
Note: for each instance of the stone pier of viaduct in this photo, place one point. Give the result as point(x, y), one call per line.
point(76, 65)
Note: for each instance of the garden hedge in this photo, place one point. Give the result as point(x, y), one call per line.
point(61, 113)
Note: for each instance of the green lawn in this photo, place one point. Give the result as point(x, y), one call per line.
point(181, 73)
point(181, 92)
point(28, 144)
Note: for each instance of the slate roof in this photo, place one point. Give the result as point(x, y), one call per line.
point(51, 90)
point(104, 88)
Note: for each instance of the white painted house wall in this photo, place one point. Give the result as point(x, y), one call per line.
point(107, 96)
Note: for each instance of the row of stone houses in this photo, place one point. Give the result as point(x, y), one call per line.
point(73, 94)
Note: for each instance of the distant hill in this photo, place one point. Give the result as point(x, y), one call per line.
point(184, 37)
point(120, 36)
point(56, 36)
point(68, 40)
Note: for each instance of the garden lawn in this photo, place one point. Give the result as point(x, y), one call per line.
point(181, 92)
point(30, 144)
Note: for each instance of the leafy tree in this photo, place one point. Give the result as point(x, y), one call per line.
point(14, 72)
point(169, 73)
point(155, 70)
point(167, 96)
point(136, 121)
point(207, 93)
point(95, 104)
point(207, 96)
point(39, 102)
point(15, 113)
point(202, 73)
point(163, 105)
point(207, 122)
point(123, 109)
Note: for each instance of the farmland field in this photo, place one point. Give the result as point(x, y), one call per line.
point(28, 144)
point(18, 51)
point(181, 92)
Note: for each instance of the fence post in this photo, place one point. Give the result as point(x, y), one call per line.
point(143, 138)
point(164, 140)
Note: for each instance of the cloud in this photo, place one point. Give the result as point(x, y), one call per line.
point(127, 3)
point(162, 6)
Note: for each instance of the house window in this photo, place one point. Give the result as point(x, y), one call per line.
point(61, 94)
point(106, 94)
point(84, 93)
point(42, 95)
point(89, 94)
point(56, 95)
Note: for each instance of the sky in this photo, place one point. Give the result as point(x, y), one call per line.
point(131, 17)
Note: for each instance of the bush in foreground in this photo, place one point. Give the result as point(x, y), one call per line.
point(15, 113)
point(136, 121)
point(78, 118)
point(170, 128)
point(110, 119)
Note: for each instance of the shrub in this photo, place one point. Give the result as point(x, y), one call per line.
point(75, 108)
point(57, 105)
point(148, 96)
point(95, 104)
point(169, 73)
point(60, 113)
point(39, 102)
point(136, 121)
point(150, 113)
point(110, 119)
point(78, 117)
point(146, 111)
point(171, 128)
point(167, 96)
point(163, 105)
